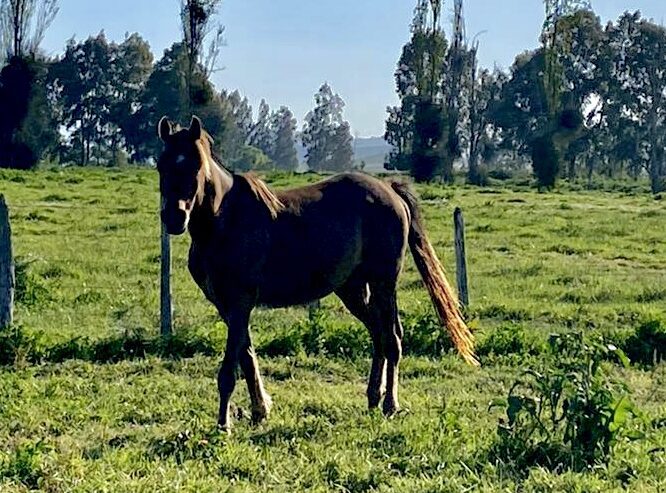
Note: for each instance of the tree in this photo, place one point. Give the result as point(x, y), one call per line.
point(83, 81)
point(563, 110)
point(418, 128)
point(166, 93)
point(541, 106)
point(326, 136)
point(283, 150)
point(197, 23)
point(481, 91)
point(130, 72)
point(241, 111)
point(23, 24)
point(260, 134)
point(456, 60)
point(583, 70)
point(639, 90)
point(27, 129)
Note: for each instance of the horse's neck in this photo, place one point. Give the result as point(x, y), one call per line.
point(206, 214)
point(220, 179)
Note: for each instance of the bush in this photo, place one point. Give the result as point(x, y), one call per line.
point(648, 345)
point(425, 336)
point(18, 346)
point(319, 335)
point(501, 174)
point(250, 158)
point(30, 289)
point(566, 413)
point(507, 340)
point(478, 176)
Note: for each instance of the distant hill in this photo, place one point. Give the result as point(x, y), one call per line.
point(372, 150)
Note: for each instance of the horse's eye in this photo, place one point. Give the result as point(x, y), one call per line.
point(180, 159)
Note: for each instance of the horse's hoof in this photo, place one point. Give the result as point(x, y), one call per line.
point(391, 409)
point(260, 413)
point(224, 424)
point(259, 416)
point(224, 428)
point(373, 401)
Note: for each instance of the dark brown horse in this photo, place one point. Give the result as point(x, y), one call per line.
point(251, 246)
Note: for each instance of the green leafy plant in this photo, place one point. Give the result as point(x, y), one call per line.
point(25, 464)
point(19, 346)
point(568, 412)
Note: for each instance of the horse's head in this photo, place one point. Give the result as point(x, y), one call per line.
point(184, 169)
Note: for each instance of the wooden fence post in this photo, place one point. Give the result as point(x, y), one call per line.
point(461, 260)
point(7, 281)
point(166, 310)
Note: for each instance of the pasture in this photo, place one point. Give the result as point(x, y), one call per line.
point(91, 400)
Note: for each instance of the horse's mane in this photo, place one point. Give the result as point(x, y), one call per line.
point(256, 184)
point(264, 194)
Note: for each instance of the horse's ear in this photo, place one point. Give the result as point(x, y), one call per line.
point(196, 128)
point(164, 128)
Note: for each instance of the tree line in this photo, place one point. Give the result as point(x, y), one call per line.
point(99, 102)
point(590, 100)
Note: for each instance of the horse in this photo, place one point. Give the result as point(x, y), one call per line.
point(252, 246)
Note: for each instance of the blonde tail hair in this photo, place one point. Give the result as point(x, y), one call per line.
point(443, 298)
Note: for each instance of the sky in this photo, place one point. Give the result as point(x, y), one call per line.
point(283, 50)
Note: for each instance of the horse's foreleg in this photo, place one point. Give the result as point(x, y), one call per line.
point(238, 342)
point(261, 401)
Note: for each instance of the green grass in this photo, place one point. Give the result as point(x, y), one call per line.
point(87, 245)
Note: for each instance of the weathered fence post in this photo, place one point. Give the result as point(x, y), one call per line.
point(461, 261)
point(166, 311)
point(6, 268)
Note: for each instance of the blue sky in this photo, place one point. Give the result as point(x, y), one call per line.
point(283, 50)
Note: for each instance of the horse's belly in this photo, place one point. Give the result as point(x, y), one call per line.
point(298, 277)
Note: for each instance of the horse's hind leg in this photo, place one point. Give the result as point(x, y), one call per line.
point(355, 295)
point(384, 302)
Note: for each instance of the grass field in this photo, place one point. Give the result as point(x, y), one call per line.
point(88, 403)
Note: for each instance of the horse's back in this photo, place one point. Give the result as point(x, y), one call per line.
point(330, 230)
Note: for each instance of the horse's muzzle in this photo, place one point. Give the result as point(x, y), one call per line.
point(175, 221)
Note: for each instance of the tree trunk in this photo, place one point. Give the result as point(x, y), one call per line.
point(83, 148)
point(656, 176)
point(571, 172)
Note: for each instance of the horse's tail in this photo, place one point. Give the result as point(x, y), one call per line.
point(432, 273)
